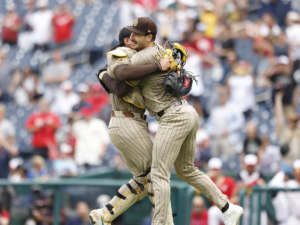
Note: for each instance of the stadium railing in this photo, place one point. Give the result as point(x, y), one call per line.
point(260, 198)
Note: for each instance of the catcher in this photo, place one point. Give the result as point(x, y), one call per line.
point(128, 131)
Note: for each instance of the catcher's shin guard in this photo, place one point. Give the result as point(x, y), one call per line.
point(128, 194)
point(169, 220)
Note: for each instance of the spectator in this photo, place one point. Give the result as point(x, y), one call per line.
point(241, 86)
point(83, 211)
point(248, 178)
point(194, 65)
point(82, 90)
point(209, 19)
point(269, 28)
point(63, 21)
point(65, 99)
point(226, 185)
point(288, 134)
point(6, 151)
point(10, 25)
point(293, 35)
point(224, 125)
point(5, 77)
point(227, 64)
point(286, 204)
point(55, 73)
point(203, 148)
point(252, 144)
point(97, 98)
point(17, 172)
point(38, 172)
point(6, 128)
point(199, 215)
point(226, 40)
point(91, 140)
point(4, 216)
point(43, 125)
point(65, 166)
point(41, 24)
point(281, 79)
point(29, 87)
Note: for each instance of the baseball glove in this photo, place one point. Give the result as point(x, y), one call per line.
point(101, 82)
point(179, 86)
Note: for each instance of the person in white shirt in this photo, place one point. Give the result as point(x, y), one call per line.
point(286, 204)
point(224, 126)
point(91, 140)
point(65, 99)
point(41, 24)
point(55, 73)
point(241, 86)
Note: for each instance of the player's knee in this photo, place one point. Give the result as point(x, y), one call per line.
point(186, 172)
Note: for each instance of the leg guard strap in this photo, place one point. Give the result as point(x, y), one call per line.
point(131, 189)
point(140, 185)
point(110, 208)
point(120, 196)
point(147, 172)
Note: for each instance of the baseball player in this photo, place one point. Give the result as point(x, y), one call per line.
point(129, 133)
point(174, 143)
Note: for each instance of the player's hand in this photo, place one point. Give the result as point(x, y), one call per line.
point(101, 75)
point(165, 64)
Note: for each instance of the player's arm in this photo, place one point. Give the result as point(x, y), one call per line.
point(137, 72)
point(118, 87)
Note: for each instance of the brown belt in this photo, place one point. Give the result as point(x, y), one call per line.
point(129, 115)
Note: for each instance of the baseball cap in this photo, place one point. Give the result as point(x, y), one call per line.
point(293, 16)
point(42, 3)
point(83, 88)
point(143, 25)
point(11, 7)
point(86, 111)
point(283, 60)
point(66, 85)
point(296, 164)
point(65, 148)
point(124, 33)
point(215, 164)
point(250, 160)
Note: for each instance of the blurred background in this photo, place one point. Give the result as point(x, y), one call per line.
point(55, 166)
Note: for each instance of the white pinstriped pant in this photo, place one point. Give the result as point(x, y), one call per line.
point(175, 144)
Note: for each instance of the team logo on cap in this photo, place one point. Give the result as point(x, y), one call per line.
point(149, 31)
point(135, 22)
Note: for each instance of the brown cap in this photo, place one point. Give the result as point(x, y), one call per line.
point(143, 25)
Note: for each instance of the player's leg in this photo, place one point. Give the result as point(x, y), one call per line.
point(187, 171)
point(131, 138)
point(173, 128)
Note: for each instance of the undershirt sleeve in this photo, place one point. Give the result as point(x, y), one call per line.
point(135, 72)
point(118, 87)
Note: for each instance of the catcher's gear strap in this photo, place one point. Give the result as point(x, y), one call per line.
point(131, 189)
point(174, 214)
point(123, 200)
point(147, 172)
point(140, 185)
point(110, 208)
point(120, 196)
point(118, 53)
point(151, 194)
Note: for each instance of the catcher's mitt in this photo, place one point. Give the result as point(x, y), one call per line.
point(179, 86)
point(101, 82)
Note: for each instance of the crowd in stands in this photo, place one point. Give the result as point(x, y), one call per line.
point(246, 55)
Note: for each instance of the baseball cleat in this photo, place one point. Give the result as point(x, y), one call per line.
point(233, 215)
point(96, 217)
